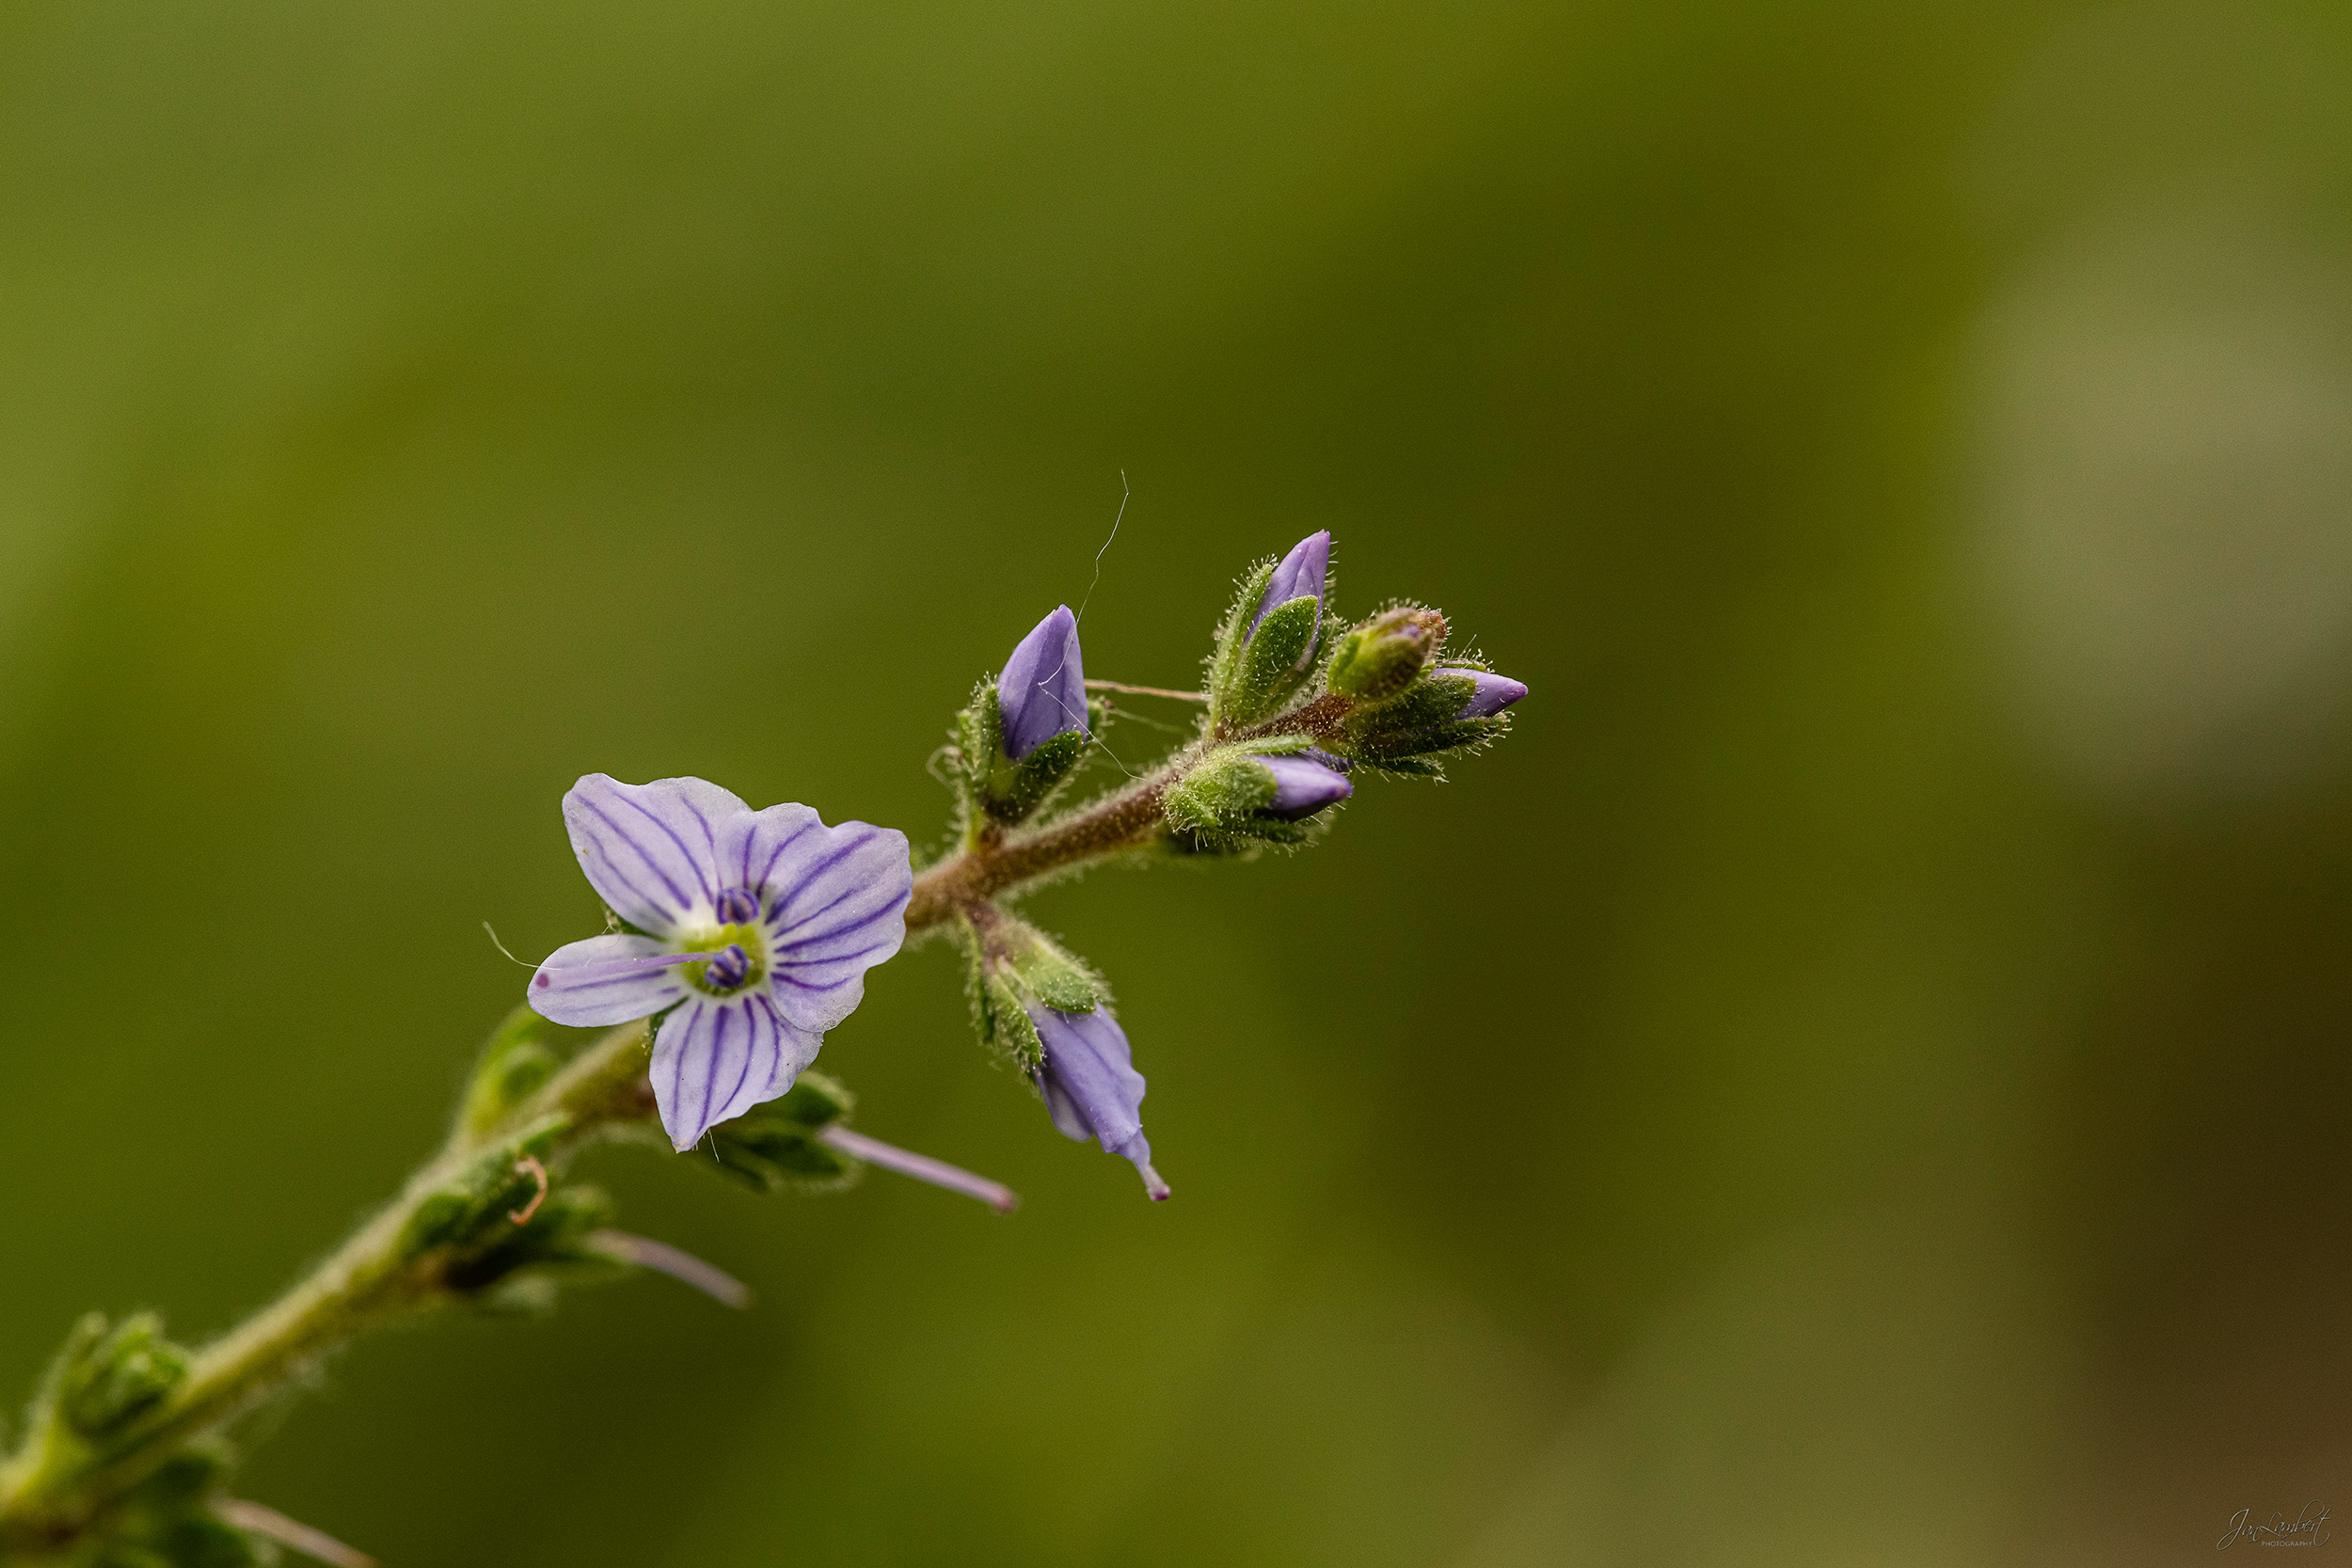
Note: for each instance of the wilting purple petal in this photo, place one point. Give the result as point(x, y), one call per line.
point(1091, 1087)
point(838, 907)
point(713, 1061)
point(1302, 788)
point(1042, 691)
point(608, 979)
point(651, 850)
point(1493, 694)
point(1300, 576)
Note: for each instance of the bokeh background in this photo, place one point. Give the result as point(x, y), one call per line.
point(1858, 1078)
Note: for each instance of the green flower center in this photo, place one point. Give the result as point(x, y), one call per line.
point(737, 961)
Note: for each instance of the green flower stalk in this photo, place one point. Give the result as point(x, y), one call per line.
point(735, 939)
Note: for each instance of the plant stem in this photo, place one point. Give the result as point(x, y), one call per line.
point(1120, 822)
point(52, 1491)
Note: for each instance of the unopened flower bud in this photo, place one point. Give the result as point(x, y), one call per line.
point(1042, 691)
point(1300, 574)
point(1091, 1087)
point(1302, 787)
point(1383, 656)
point(123, 1375)
point(1493, 694)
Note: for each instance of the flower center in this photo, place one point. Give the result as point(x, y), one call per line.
point(729, 960)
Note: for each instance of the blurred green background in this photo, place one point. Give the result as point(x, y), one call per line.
point(1857, 1077)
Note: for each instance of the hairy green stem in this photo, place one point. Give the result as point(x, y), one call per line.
point(53, 1490)
point(1120, 823)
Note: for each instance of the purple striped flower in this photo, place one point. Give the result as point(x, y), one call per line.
point(1301, 787)
point(759, 926)
point(1042, 691)
point(1091, 1086)
point(1299, 576)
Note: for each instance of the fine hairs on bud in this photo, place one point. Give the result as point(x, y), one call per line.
point(735, 939)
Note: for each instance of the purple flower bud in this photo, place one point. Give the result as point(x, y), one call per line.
point(1322, 758)
point(1302, 788)
point(737, 906)
point(1042, 692)
point(1091, 1086)
point(729, 966)
point(1493, 694)
point(1300, 576)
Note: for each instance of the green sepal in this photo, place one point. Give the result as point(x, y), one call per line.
point(1225, 789)
point(1276, 661)
point(1224, 658)
point(1419, 722)
point(521, 1268)
point(774, 1148)
point(1017, 791)
point(1010, 1031)
point(515, 1062)
point(188, 1479)
point(482, 1192)
point(815, 1101)
point(1380, 657)
point(989, 785)
point(121, 1377)
point(1247, 837)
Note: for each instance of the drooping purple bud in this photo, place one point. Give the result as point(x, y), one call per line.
point(1493, 694)
point(1300, 576)
point(1091, 1086)
point(1042, 692)
point(1302, 788)
point(738, 906)
point(729, 966)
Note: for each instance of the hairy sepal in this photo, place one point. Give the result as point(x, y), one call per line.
point(1274, 664)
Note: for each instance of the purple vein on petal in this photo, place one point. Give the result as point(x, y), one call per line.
point(777, 854)
point(651, 865)
point(613, 871)
point(671, 833)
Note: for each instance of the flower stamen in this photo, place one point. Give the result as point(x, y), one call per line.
point(729, 966)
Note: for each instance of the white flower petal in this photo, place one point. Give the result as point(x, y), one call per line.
point(604, 980)
point(837, 907)
point(652, 850)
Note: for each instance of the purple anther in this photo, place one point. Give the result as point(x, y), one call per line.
point(737, 906)
point(729, 966)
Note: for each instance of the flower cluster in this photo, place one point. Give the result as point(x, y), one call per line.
point(748, 933)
